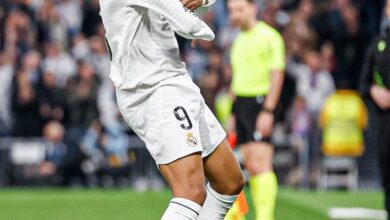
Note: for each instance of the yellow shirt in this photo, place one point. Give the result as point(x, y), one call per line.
point(254, 55)
point(343, 118)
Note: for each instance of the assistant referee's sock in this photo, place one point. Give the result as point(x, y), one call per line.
point(264, 189)
point(181, 209)
point(216, 205)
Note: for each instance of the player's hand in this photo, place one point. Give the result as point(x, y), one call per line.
point(192, 4)
point(381, 97)
point(264, 123)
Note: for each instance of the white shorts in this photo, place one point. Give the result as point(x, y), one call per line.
point(172, 119)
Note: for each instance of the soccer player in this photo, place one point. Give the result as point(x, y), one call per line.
point(159, 101)
point(258, 62)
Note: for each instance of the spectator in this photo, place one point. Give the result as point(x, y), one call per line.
point(91, 19)
point(209, 82)
point(82, 92)
point(80, 49)
point(314, 85)
point(64, 158)
point(327, 57)
point(197, 59)
point(100, 60)
point(300, 119)
point(31, 65)
point(300, 122)
point(19, 32)
point(50, 27)
point(344, 33)
point(107, 149)
point(209, 85)
point(300, 36)
point(51, 99)
point(53, 133)
point(59, 63)
point(25, 107)
point(70, 12)
point(6, 76)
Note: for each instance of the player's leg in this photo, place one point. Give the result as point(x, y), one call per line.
point(258, 157)
point(169, 126)
point(175, 143)
point(221, 169)
point(225, 182)
point(263, 183)
point(186, 180)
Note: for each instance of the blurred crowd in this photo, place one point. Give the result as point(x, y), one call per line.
point(54, 70)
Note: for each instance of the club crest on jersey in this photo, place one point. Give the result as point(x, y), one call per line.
point(191, 140)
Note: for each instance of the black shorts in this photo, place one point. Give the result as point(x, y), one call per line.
point(246, 110)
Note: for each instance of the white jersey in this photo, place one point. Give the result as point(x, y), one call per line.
point(141, 40)
point(155, 95)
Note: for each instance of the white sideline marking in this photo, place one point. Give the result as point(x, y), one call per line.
point(356, 213)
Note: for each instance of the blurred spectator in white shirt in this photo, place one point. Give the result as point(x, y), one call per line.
point(314, 83)
point(60, 63)
point(70, 12)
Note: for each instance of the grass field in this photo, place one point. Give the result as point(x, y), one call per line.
point(67, 204)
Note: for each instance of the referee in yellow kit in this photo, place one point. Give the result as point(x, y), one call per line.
point(258, 62)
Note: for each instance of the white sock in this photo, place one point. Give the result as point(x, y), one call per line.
point(216, 205)
point(181, 209)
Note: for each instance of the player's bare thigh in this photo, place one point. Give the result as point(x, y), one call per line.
point(257, 157)
point(186, 178)
point(223, 171)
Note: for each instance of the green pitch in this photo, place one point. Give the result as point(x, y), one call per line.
point(65, 204)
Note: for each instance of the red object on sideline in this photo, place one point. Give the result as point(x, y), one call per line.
point(232, 139)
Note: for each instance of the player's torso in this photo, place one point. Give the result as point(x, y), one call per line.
point(249, 48)
point(249, 59)
point(143, 45)
point(161, 31)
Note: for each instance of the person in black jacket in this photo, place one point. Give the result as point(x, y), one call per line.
point(63, 157)
point(375, 84)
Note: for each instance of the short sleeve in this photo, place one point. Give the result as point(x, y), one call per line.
point(277, 52)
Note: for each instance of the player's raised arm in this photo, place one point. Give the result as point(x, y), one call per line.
point(185, 22)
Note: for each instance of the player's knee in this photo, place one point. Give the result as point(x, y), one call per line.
point(259, 159)
point(235, 186)
point(232, 186)
point(197, 193)
point(193, 192)
point(239, 186)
